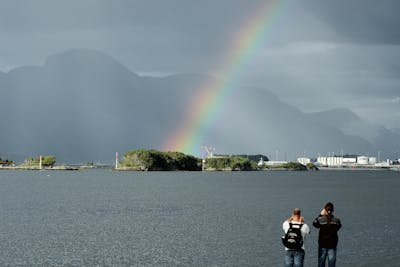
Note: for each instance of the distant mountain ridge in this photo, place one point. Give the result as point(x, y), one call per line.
point(349, 123)
point(337, 117)
point(83, 105)
point(396, 130)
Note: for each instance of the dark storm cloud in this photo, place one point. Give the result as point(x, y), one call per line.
point(188, 29)
point(145, 35)
point(360, 20)
point(179, 15)
point(317, 55)
point(208, 21)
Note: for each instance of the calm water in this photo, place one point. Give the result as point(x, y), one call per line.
point(105, 218)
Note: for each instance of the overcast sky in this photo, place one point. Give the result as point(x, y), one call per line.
point(318, 54)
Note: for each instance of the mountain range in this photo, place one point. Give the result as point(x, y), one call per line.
point(82, 105)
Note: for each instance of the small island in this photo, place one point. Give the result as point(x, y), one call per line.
point(35, 163)
point(154, 160)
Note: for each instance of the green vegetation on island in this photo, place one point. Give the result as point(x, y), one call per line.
point(47, 161)
point(229, 163)
point(256, 158)
point(154, 160)
point(311, 167)
point(294, 166)
point(290, 166)
point(6, 162)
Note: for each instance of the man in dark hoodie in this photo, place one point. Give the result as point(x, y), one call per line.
point(328, 226)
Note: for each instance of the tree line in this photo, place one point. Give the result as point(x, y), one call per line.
point(47, 161)
point(154, 160)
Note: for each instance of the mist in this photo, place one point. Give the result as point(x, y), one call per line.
point(318, 58)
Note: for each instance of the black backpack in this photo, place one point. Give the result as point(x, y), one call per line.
point(293, 238)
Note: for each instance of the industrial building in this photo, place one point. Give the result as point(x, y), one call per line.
point(344, 161)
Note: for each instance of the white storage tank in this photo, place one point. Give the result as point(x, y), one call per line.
point(362, 160)
point(303, 161)
point(349, 160)
point(372, 160)
point(322, 161)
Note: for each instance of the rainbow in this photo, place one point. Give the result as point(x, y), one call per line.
point(201, 113)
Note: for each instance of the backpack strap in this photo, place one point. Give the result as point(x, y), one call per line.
point(299, 224)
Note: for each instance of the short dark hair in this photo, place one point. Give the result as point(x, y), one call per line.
point(329, 207)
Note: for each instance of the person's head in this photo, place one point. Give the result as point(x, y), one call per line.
point(297, 212)
point(329, 208)
point(296, 216)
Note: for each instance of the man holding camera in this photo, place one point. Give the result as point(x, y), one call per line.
point(328, 226)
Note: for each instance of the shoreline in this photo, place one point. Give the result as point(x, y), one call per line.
point(124, 169)
point(358, 168)
point(36, 168)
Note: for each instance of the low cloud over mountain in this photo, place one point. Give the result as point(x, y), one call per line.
point(82, 105)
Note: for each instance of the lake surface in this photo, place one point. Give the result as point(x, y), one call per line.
point(107, 218)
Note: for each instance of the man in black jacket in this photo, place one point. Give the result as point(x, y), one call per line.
point(328, 226)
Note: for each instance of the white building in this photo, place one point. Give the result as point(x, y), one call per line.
point(304, 161)
point(271, 163)
point(349, 160)
point(386, 163)
point(330, 161)
point(362, 160)
point(336, 161)
point(372, 161)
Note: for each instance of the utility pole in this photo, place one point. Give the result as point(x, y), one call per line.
point(210, 154)
point(209, 150)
